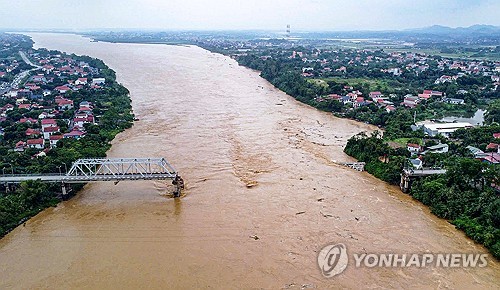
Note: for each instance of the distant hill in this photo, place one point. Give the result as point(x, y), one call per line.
point(445, 30)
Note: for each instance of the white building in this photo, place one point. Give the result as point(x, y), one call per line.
point(439, 148)
point(444, 129)
point(98, 81)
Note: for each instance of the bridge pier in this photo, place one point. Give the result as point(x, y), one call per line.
point(179, 185)
point(9, 187)
point(405, 183)
point(65, 190)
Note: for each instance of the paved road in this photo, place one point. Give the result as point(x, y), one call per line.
point(26, 60)
point(22, 75)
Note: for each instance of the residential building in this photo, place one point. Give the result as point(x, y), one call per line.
point(413, 148)
point(48, 123)
point(35, 143)
point(98, 81)
point(53, 140)
point(439, 148)
point(49, 131)
point(75, 134)
point(454, 101)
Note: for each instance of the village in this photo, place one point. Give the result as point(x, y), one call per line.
point(400, 66)
point(41, 104)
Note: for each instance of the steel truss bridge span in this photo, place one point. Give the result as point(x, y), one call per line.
point(104, 169)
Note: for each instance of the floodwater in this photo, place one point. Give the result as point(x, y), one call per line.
point(476, 119)
point(257, 164)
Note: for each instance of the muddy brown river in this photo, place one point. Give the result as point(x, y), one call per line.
point(256, 163)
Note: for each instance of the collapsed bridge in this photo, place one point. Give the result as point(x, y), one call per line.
point(107, 169)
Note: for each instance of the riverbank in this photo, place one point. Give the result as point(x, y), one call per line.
point(110, 101)
point(223, 127)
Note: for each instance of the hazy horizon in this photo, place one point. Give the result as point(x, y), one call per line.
point(312, 15)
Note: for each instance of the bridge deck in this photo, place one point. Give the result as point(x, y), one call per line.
point(83, 179)
point(104, 169)
point(423, 172)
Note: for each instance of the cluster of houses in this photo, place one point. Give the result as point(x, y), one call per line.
point(355, 99)
point(49, 131)
point(329, 63)
point(47, 91)
point(492, 156)
point(469, 68)
point(338, 61)
point(7, 66)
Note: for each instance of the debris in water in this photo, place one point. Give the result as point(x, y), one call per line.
point(326, 214)
point(251, 184)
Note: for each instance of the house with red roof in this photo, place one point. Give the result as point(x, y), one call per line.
point(48, 68)
point(53, 140)
point(413, 148)
point(85, 110)
point(28, 120)
point(410, 101)
point(20, 146)
point(81, 119)
point(24, 106)
point(359, 102)
point(48, 123)
point(433, 93)
point(489, 157)
point(64, 104)
point(8, 107)
point(35, 143)
point(375, 95)
point(63, 89)
point(49, 131)
point(424, 96)
point(81, 81)
point(496, 135)
point(493, 146)
point(334, 97)
point(32, 132)
point(75, 134)
point(390, 108)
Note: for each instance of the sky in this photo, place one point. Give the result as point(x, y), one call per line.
point(302, 15)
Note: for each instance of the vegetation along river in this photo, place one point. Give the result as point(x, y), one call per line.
point(263, 195)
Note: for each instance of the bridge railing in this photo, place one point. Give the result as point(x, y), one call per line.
point(33, 174)
point(121, 166)
point(97, 169)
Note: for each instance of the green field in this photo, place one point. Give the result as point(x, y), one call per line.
point(404, 141)
point(374, 84)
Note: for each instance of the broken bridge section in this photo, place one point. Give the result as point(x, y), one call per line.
point(107, 169)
